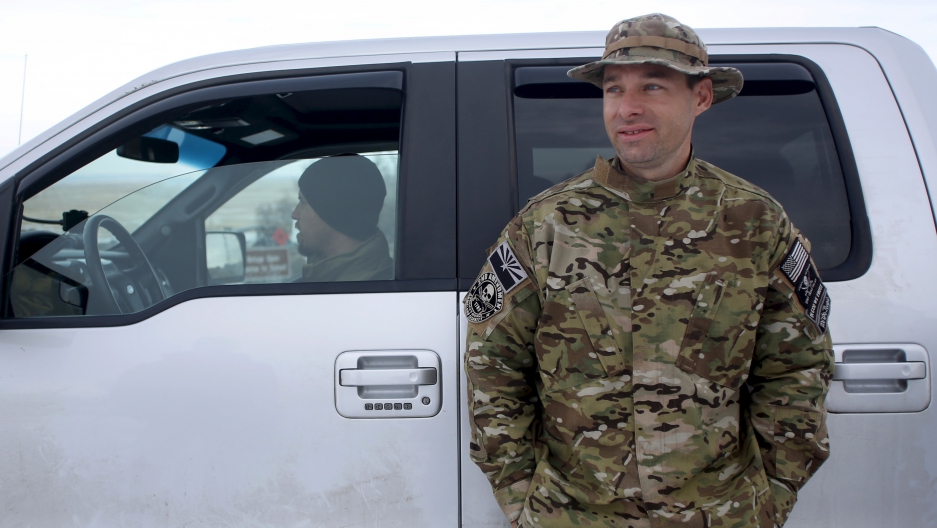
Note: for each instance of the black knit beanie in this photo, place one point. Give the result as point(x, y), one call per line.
point(347, 192)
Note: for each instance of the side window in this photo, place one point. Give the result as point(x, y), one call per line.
point(272, 187)
point(776, 134)
point(166, 152)
point(292, 216)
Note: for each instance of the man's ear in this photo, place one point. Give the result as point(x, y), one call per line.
point(702, 96)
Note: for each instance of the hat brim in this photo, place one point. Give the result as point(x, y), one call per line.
point(727, 81)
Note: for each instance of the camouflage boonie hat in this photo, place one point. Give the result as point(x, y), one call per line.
point(660, 39)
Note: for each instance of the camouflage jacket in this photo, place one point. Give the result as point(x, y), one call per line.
point(638, 355)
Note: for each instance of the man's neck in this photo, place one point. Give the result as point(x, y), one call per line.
point(340, 245)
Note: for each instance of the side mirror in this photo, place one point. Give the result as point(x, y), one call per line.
point(225, 256)
point(150, 149)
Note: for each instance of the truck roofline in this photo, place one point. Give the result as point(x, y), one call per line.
point(869, 38)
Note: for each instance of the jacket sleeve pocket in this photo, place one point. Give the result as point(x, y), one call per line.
point(800, 438)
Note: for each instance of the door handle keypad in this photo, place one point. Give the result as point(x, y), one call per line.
point(388, 406)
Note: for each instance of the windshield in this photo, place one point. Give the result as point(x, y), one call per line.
point(268, 188)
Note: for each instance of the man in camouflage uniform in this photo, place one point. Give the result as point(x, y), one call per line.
point(647, 341)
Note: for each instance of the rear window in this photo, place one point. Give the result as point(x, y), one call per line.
point(776, 135)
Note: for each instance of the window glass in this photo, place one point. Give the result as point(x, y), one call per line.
point(268, 212)
point(775, 135)
point(278, 188)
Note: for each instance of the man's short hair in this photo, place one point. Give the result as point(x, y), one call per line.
point(693, 80)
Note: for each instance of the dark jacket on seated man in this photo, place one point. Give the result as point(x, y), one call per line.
point(340, 200)
point(371, 261)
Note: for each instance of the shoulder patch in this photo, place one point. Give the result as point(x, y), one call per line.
point(506, 267)
point(484, 299)
point(798, 267)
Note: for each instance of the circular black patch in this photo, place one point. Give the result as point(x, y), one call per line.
point(484, 299)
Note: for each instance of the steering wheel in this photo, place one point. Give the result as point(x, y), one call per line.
point(141, 264)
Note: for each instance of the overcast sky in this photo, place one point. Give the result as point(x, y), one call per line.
point(80, 50)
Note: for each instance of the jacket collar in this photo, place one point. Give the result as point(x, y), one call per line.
point(608, 174)
point(369, 257)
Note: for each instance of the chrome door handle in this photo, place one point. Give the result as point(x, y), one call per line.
point(911, 370)
point(384, 377)
point(880, 378)
point(388, 384)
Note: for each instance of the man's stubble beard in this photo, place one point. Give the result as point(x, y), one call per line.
point(639, 159)
point(307, 251)
point(649, 156)
point(640, 156)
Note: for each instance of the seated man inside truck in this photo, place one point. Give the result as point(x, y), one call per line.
point(340, 200)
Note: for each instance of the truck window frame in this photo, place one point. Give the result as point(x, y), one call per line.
point(493, 82)
point(426, 196)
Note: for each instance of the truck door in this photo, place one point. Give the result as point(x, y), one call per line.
point(816, 126)
point(184, 343)
point(880, 472)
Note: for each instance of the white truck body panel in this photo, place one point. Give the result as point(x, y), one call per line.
point(227, 422)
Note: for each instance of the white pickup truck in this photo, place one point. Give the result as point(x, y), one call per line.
point(162, 365)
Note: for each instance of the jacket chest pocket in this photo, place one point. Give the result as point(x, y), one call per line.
point(574, 343)
point(720, 336)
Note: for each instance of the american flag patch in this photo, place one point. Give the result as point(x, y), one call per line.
point(813, 295)
point(796, 262)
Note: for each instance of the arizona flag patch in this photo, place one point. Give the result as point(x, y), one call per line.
point(505, 266)
point(812, 294)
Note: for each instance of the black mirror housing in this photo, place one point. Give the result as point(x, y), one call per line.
point(150, 149)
